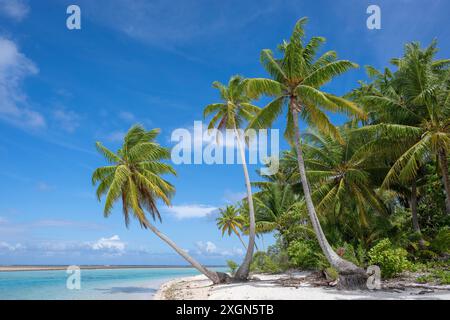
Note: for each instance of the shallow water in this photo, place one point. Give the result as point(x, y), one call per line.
point(95, 284)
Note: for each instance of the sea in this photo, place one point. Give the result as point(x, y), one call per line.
point(92, 284)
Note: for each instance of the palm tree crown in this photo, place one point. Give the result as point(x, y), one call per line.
point(235, 107)
point(296, 81)
point(411, 111)
point(134, 175)
point(230, 221)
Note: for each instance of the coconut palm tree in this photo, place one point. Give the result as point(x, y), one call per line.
point(296, 81)
point(421, 89)
point(133, 177)
point(273, 203)
point(385, 104)
point(231, 113)
point(231, 221)
point(340, 176)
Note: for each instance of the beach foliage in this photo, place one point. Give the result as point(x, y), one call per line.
point(391, 261)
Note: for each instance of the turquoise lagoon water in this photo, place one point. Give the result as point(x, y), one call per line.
point(133, 283)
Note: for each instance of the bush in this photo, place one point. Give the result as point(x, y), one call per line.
point(331, 273)
point(304, 254)
point(232, 266)
point(441, 277)
point(263, 262)
point(441, 243)
point(348, 252)
point(391, 261)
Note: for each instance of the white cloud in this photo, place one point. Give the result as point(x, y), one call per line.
point(209, 248)
point(10, 247)
point(191, 211)
point(68, 120)
point(14, 67)
point(206, 247)
point(112, 244)
point(15, 9)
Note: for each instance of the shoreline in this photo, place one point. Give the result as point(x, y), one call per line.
point(15, 268)
point(283, 287)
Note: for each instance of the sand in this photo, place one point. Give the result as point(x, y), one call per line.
point(276, 287)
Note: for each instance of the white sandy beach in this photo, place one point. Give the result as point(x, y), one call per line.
point(271, 287)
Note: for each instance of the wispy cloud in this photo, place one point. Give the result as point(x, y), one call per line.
point(43, 187)
point(233, 197)
point(14, 107)
point(127, 116)
point(109, 246)
point(5, 246)
point(209, 248)
point(13, 229)
point(14, 9)
point(115, 136)
point(68, 120)
point(170, 25)
point(191, 211)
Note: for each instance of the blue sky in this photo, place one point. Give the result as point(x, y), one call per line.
point(151, 62)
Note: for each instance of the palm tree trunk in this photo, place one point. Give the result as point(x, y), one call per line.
point(244, 268)
point(442, 154)
point(351, 276)
point(415, 220)
point(215, 277)
point(242, 241)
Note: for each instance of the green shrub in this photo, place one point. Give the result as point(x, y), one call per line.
point(263, 262)
point(348, 252)
point(305, 255)
point(391, 261)
point(441, 277)
point(441, 243)
point(332, 273)
point(232, 266)
point(424, 279)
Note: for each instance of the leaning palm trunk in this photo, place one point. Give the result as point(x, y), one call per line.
point(350, 276)
point(415, 219)
point(244, 268)
point(215, 277)
point(442, 154)
point(242, 241)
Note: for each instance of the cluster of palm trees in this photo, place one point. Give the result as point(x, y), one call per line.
point(398, 123)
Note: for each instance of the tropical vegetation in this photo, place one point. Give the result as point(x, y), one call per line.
point(373, 190)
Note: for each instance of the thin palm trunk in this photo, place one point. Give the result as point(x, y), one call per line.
point(244, 268)
point(343, 266)
point(415, 220)
point(442, 154)
point(213, 276)
point(242, 241)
